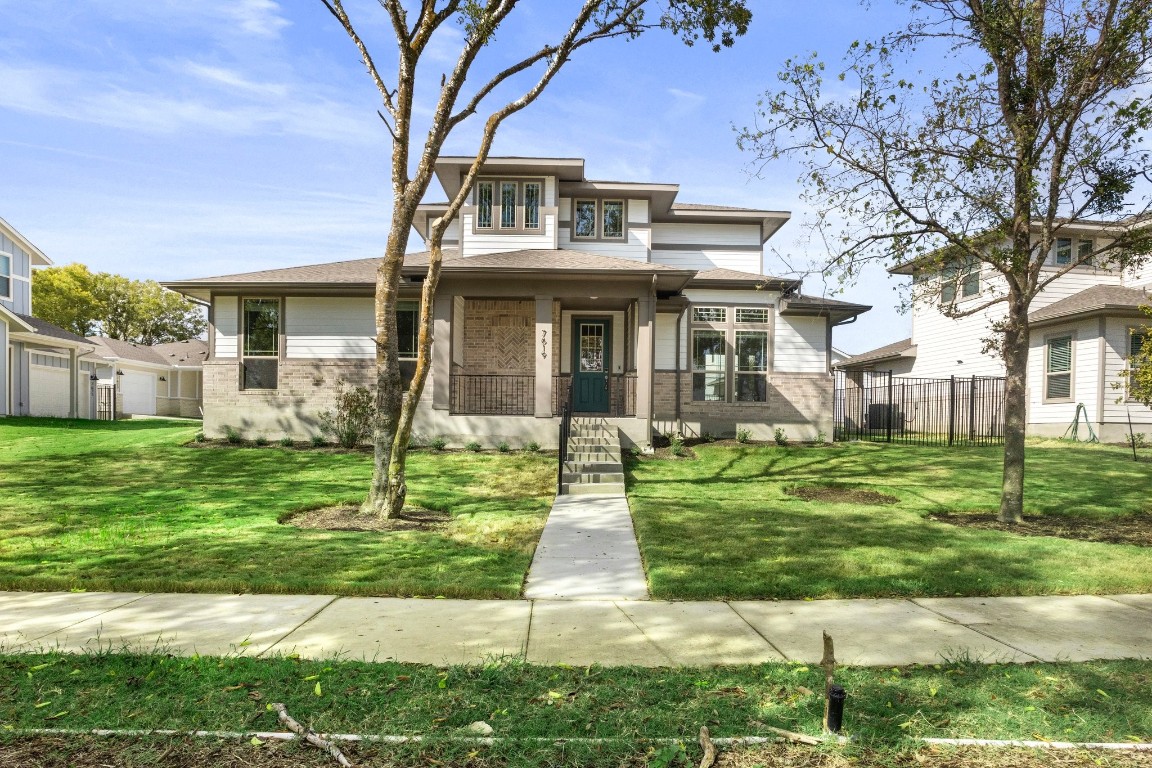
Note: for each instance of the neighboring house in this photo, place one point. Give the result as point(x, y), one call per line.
point(161, 380)
point(40, 370)
point(1084, 326)
point(654, 312)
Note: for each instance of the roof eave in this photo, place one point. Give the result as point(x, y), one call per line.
point(1126, 310)
point(26, 245)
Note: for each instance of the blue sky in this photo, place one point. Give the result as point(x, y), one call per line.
point(173, 139)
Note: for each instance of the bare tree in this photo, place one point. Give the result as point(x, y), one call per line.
point(981, 170)
point(413, 26)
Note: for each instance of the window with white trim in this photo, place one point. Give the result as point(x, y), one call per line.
point(508, 205)
point(961, 278)
point(730, 350)
point(1058, 368)
point(5, 276)
point(1137, 338)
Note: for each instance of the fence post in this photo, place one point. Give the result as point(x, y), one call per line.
point(972, 411)
point(888, 421)
point(951, 409)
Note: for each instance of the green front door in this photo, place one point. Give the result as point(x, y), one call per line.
point(591, 363)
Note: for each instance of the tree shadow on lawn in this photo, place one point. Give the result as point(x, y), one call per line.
point(95, 425)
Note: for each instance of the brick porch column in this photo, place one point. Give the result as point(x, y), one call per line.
point(543, 350)
point(441, 352)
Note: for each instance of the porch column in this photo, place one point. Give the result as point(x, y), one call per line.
point(73, 385)
point(544, 348)
point(645, 357)
point(441, 352)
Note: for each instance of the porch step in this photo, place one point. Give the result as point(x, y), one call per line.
point(593, 457)
point(590, 440)
point(594, 489)
point(593, 477)
point(598, 467)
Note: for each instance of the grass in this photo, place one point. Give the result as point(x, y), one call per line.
point(722, 526)
point(887, 708)
point(127, 506)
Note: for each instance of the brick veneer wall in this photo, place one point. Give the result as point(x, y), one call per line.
point(798, 403)
point(498, 336)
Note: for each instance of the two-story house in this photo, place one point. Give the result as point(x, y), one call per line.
point(40, 373)
point(655, 312)
point(1084, 326)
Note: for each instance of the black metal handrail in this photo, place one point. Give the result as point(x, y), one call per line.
point(565, 431)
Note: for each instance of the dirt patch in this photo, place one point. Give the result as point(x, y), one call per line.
point(1135, 530)
point(834, 495)
point(347, 517)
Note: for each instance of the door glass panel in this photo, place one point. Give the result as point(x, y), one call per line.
point(591, 348)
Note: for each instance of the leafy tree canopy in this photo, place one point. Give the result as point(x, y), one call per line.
point(100, 303)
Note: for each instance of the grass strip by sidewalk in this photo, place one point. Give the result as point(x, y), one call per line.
point(724, 525)
point(887, 708)
point(127, 506)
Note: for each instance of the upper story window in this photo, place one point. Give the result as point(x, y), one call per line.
point(5, 276)
point(961, 279)
point(597, 219)
point(509, 205)
point(1063, 253)
point(261, 325)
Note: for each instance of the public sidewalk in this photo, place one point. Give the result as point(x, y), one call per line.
point(645, 633)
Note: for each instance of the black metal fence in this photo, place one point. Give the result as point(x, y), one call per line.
point(877, 406)
point(491, 394)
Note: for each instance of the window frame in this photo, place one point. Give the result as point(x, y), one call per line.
point(731, 328)
point(496, 212)
point(1049, 374)
point(242, 342)
point(1133, 332)
point(598, 234)
point(960, 281)
point(413, 306)
point(1057, 248)
point(6, 294)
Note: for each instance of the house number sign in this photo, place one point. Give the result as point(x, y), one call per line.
point(544, 344)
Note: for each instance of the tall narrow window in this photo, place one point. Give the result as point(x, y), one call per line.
point(751, 366)
point(1084, 250)
point(613, 218)
point(1063, 250)
point(508, 205)
point(709, 365)
point(532, 205)
point(5, 276)
point(261, 343)
point(408, 328)
point(585, 223)
point(970, 280)
point(1137, 338)
point(1058, 369)
point(483, 205)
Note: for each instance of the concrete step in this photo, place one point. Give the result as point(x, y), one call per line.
point(593, 477)
point(593, 466)
point(582, 457)
point(589, 489)
point(605, 440)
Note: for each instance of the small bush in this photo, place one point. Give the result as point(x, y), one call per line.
point(743, 435)
point(286, 442)
point(318, 441)
point(199, 437)
point(531, 446)
point(779, 436)
point(261, 441)
point(502, 446)
point(708, 437)
point(438, 443)
point(350, 422)
point(822, 437)
point(473, 446)
point(676, 444)
point(233, 435)
point(1136, 440)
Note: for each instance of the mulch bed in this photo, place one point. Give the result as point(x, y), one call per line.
point(347, 517)
point(834, 495)
point(1135, 529)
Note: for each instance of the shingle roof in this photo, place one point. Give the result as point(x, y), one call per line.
point(798, 299)
point(732, 276)
point(562, 259)
point(902, 348)
point(705, 207)
point(1095, 299)
point(190, 352)
point(125, 350)
point(45, 328)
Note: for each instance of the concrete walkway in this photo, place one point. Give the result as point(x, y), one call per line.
point(646, 633)
point(587, 551)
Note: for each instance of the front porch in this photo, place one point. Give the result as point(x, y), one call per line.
point(515, 395)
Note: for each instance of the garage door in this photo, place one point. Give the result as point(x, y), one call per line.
point(49, 391)
point(139, 390)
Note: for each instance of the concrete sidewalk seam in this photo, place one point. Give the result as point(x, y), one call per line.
point(951, 620)
point(759, 634)
point(296, 628)
point(87, 618)
point(640, 629)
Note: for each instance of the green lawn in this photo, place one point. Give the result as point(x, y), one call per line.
point(126, 506)
point(721, 525)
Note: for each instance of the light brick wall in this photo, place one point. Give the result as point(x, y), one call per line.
point(498, 337)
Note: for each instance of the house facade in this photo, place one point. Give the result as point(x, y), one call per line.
point(1084, 326)
point(141, 380)
point(654, 314)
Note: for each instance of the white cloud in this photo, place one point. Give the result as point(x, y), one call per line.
point(232, 79)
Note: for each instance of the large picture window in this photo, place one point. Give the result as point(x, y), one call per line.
point(5, 276)
point(730, 353)
point(261, 343)
point(1058, 368)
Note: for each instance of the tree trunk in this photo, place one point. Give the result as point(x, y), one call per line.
point(1015, 411)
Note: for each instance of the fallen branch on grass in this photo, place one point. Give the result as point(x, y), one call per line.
point(709, 748)
point(799, 738)
point(310, 736)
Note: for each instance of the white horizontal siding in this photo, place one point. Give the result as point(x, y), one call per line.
point(330, 328)
point(666, 342)
point(638, 212)
point(705, 234)
point(1085, 373)
point(1140, 277)
point(498, 242)
point(1072, 282)
point(1117, 407)
point(800, 345)
point(225, 318)
point(634, 247)
point(741, 261)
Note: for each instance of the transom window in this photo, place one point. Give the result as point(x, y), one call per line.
point(730, 354)
point(508, 205)
point(261, 343)
point(5, 276)
point(1058, 368)
point(602, 219)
